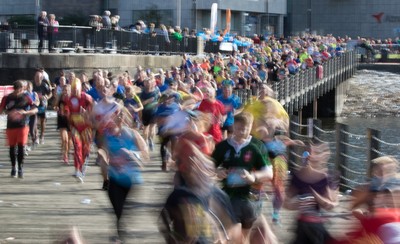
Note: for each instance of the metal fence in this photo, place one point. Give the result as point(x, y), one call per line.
point(351, 153)
point(90, 39)
point(299, 90)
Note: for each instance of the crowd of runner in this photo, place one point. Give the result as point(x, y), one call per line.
point(206, 134)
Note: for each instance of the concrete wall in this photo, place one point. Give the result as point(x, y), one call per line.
point(340, 98)
point(23, 66)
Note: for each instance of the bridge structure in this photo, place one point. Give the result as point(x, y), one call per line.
point(295, 92)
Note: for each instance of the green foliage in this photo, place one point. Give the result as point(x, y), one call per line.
point(22, 20)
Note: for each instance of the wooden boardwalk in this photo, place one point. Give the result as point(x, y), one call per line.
point(44, 205)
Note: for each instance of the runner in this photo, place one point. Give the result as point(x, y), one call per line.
point(62, 120)
point(19, 106)
point(77, 107)
point(149, 97)
point(243, 168)
point(42, 88)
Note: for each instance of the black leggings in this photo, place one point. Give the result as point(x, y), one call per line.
point(312, 233)
point(117, 195)
point(32, 128)
point(20, 156)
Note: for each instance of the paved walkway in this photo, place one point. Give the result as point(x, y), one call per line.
point(44, 205)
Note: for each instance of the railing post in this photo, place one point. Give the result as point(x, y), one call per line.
point(341, 149)
point(74, 35)
point(310, 126)
point(316, 133)
point(373, 147)
point(294, 129)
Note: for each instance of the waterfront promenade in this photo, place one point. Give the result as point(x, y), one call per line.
point(42, 207)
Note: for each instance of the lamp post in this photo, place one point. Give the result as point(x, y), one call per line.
point(309, 12)
point(195, 14)
point(178, 12)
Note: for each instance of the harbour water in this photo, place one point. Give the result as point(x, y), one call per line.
point(372, 101)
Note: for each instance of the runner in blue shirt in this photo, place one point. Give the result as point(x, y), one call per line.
point(231, 103)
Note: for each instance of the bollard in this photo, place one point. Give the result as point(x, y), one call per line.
point(341, 148)
point(200, 46)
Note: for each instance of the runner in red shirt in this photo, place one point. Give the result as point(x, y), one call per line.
point(77, 107)
point(217, 110)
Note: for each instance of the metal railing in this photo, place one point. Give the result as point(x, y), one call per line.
point(92, 40)
point(351, 153)
point(297, 91)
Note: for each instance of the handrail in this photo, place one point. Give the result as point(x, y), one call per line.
point(354, 154)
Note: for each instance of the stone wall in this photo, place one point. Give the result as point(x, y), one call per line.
point(23, 66)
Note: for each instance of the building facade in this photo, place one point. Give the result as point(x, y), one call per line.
point(364, 18)
point(247, 16)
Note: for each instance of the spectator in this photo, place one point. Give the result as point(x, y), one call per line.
point(106, 20)
point(42, 23)
point(177, 33)
point(52, 31)
point(115, 22)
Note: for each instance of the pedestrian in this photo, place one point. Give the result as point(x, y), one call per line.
point(376, 204)
point(62, 120)
point(102, 116)
point(168, 107)
point(52, 31)
point(42, 23)
point(197, 211)
point(33, 118)
point(276, 145)
point(310, 190)
point(19, 106)
point(243, 168)
point(77, 108)
point(125, 150)
point(42, 87)
point(216, 109)
point(149, 97)
point(106, 20)
point(232, 106)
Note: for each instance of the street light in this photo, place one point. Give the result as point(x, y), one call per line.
point(309, 12)
point(178, 12)
point(195, 14)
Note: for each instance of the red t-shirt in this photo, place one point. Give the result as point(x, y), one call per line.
point(217, 109)
point(74, 106)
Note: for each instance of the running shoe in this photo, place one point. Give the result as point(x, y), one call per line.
point(85, 166)
point(65, 160)
point(79, 177)
point(164, 167)
point(20, 174)
point(42, 140)
point(13, 173)
point(105, 185)
point(151, 144)
point(276, 218)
